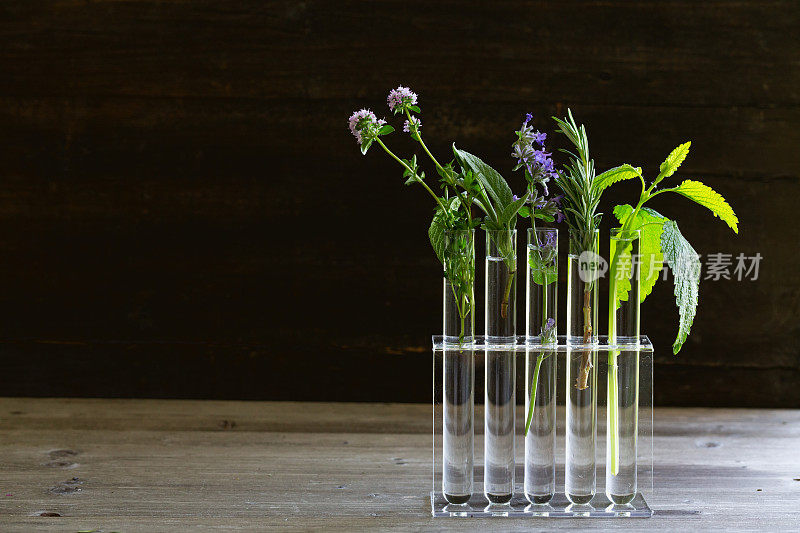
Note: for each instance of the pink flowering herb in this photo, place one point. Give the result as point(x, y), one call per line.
point(401, 99)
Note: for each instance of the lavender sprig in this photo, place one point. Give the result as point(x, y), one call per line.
point(532, 156)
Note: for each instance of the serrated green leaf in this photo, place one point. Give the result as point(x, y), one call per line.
point(614, 175)
point(542, 270)
point(650, 225)
point(543, 276)
point(685, 266)
point(673, 161)
point(708, 197)
point(495, 185)
point(511, 210)
point(436, 234)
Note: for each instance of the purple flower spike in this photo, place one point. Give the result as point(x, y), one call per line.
point(401, 96)
point(531, 155)
point(522, 152)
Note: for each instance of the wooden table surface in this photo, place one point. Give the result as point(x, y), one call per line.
point(173, 465)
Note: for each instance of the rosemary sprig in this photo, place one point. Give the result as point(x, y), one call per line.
point(579, 206)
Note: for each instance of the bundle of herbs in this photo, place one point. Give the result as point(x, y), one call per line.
point(464, 182)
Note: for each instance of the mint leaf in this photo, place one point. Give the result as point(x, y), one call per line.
point(685, 266)
point(708, 197)
point(541, 273)
point(510, 211)
point(436, 234)
point(673, 161)
point(495, 185)
point(650, 225)
point(614, 175)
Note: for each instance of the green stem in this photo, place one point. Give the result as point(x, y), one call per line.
point(535, 236)
point(534, 385)
point(464, 309)
point(613, 369)
point(611, 407)
point(416, 177)
point(507, 295)
point(419, 139)
point(613, 416)
point(461, 336)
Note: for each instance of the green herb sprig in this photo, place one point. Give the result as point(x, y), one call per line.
point(660, 239)
point(581, 198)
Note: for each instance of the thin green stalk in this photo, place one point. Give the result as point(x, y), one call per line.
point(419, 180)
point(611, 403)
point(462, 301)
point(613, 415)
point(464, 309)
point(546, 306)
point(419, 138)
point(612, 399)
point(507, 295)
point(467, 200)
point(534, 386)
point(613, 369)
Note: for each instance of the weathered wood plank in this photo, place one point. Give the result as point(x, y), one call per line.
point(152, 465)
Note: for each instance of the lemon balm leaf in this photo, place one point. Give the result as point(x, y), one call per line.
point(685, 265)
point(651, 260)
point(614, 175)
point(711, 199)
point(673, 161)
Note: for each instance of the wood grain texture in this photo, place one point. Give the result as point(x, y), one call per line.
point(150, 465)
point(182, 210)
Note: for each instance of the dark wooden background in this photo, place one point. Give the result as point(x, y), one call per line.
point(183, 212)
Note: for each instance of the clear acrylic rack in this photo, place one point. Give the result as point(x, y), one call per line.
point(600, 506)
